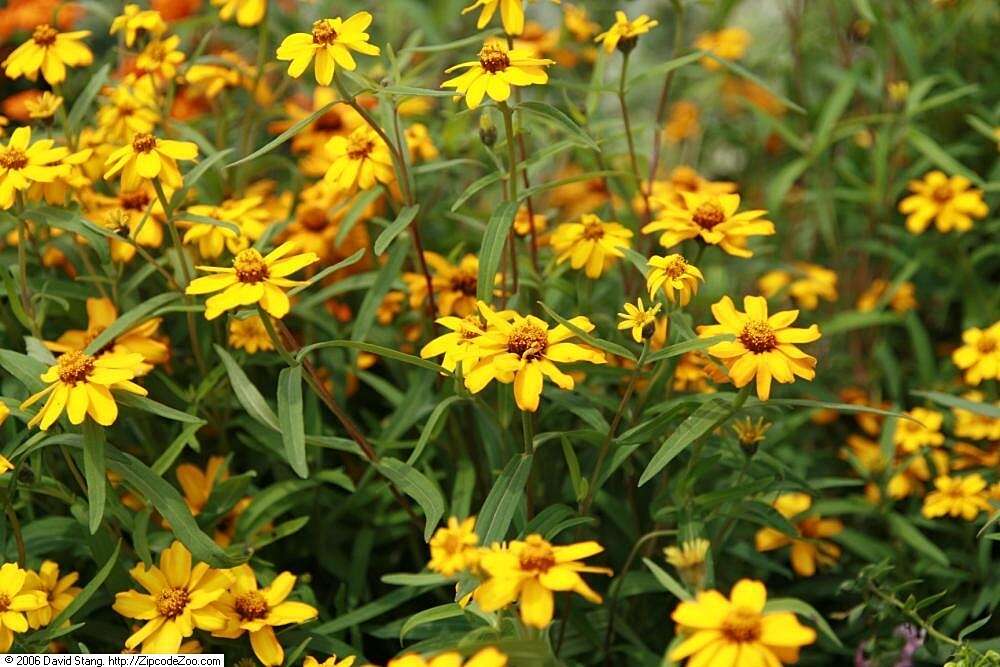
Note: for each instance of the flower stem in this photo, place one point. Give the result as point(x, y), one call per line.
point(508, 125)
point(623, 102)
point(528, 430)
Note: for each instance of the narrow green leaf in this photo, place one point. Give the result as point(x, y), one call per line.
point(286, 135)
point(246, 393)
point(378, 350)
point(95, 472)
point(26, 369)
point(667, 581)
point(474, 187)
point(342, 264)
point(425, 435)
point(686, 346)
point(498, 509)
point(405, 217)
point(985, 409)
point(291, 420)
point(86, 97)
point(192, 177)
point(413, 483)
point(152, 407)
point(386, 276)
point(609, 347)
point(561, 119)
point(940, 157)
point(491, 251)
point(440, 613)
point(906, 531)
point(705, 418)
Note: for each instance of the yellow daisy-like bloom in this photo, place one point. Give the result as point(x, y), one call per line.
point(591, 244)
point(738, 632)
point(523, 350)
point(23, 163)
point(689, 559)
point(48, 51)
point(639, 319)
point(361, 160)
point(197, 485)
point(682, 179)
point(130, 110)
point(578, 23)
point(249, 334)
point(329, 662)
point(713, 219)
point(147, 157)
point(134, 19)
point(247, 213)
point(248, 12)
point(673, 274)
point(158, 61)
point(728, 44)
point(949, 202)
point(957, 497)
point(814, 283)
point(974, 425)
point(58, 592)
point(979, 356)
point(44, 106)
point(258, 611)
point(459, 345)
point(330, 43)
point(420, 144)
point(81, 385)
point(511, 14)
point(764, 347)
point(530, 571)
point(487, 657)
point(810, 549)
point(453, 548)
point(623, 33)
point(911, 436)
point(497, 69)
point(177, 600)
point(15, 600)
point(253, 278)
point(902, 300)
point(454, 285)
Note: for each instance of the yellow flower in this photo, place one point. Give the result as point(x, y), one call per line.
point(694, 370)
point(458, 345)
point(246, 214)
point(48, 51)
point(253, 278)
point(43, 106)
point(23, 163)
point(146, 158)
point(130, 110)
point(975, 425)
point(750, 432)
point(738, 632)
point(81, 385)
point(677, 278)
point(810, 548)
point(177, 600)
point(578, 23)
point(682, 122)
point(360, 160)
point(58, 592)
point(511, 14)
point(497, 69)
point(420, 144)
point(813, 282)
point(979, 356)
point(15, 599)
point(209, 79)
point(902, 300)
point(949, 202)
point(898, 90)
point(713, 219)
point(249, 334)
point(159, 61)
point(956, 497)
point(689, 559)
point(454, 285)
point(258, 611)
point(523, 226)
point(453, 548)
point(764, 347)
point(591, 244)
point(639, 319)
point(623, 33)
point(728, 44)
point(197, 485)
point(134, 19)
point(682, 179)
point(330, 43)
point(329, 662)
point(911, 436)
point(530, 571)
point(523, 350)
point(248, 12)
point(487, 657)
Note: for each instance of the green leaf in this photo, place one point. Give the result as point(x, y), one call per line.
point(704, 419)
point(561, 119)
point(378, 350)
point(26, 369)
point(342, 264)
point(686, 346)
point(246, 393)
point(405, 217)
point(498, 509)
point(906, 531)
point(130, 320)
point(414, 484)
point(291, 420)
point(473, 188)
point(491, 250)
point(849, 321)
point(152, 407)
point(389, 272)
point(803, 609)
point(743, 72)
point(940, 157)
point(86, 97)
point(286, 135)
point(94, 471)
point(14, 299)
point(440, 613)
point(425, 435)
point(81, 598)
point(664, 68)
point(607, 346)
point(192, 177)
point(834, 107)
point(668, 582)
point(985, 409)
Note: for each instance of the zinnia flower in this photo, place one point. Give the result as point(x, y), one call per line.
point(458, 345)
point(623, 33)
point(511, 14)
point(330, 43)
point(495, 72)
point(249, 334)
point(146, 158)
point(23, 163)
point(49, 51)
point(639, 319)
point(246, 213)
point(979, 356)
point(44, 106)
point(923, 430)
point(453, 547)
point(689, 559)
point(253, 278)
point(949, 202)
point(713, 219)
point(134, 19)
point(728, 44)
point(159, 60)
point(591, 244)
point(814, 282)
point(677, 278)
point(809, 550)
point(530, 571)
point(454, 285)
point(15, 599)
point(957, 497)
point(737, 632)
point(58, 591)
point(360, 160)
point(764, 347)
point(248, 12)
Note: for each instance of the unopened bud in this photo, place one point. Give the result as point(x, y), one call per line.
point(487, 130)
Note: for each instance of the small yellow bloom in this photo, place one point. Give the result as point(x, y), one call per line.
point(420, 144)
point(253, 278)
point(511, 14)
point(453, 548)
point(48, 51)
point(15, 599)
point(723, 632)
point(330, 43)
point(956, 497)
point(728, 44)
point(590, 244)
point(531, 571)
point(764, 347)
point(979, 355)
point(44, 106)
point(898, 90)
point(975, 425)
point(58, 591)
point(578, 23)
point(639, 319)
point(134, 20)
point(130, 110)
point(23, 163)
point(361, 160)
point(750, 432)
point(673, 274)
point(689, 559)
point(454, 285)
point(487, 657)
point(682, 179)
point(159, 61)
point(902, 300)
point(497, 69)
point(247, 214)
point(523, 226)
point(807, 286)
point(623, 33)
point(81, 385)
point(146, 158)
point(911, 436)
point(248, 12)
point(329, 662)
point(713, 219)
point(458, 345)
point(950, 202)
point(249, 334)
point(682, 123)
point(257, 611)
point(810, 549)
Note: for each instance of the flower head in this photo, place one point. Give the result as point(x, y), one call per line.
point(158, 61)
point(23, 163)
point(146, 158)
point(330, 43)
point(247, 12)
point(950, 202)
point(454, 285)
point(923, 430)
point(134, 20)
point(639, 319)
point(711, 218)
point(810, 549)
point(44, 106)
point(590, 244)
point(728, 44)
point(246, 213)
point(249, 334)
point(979, 355)
point(48, 51)
point(497, 69)
point(956, 497)
point(902, 299)
point(807, 286)
point(361, 160)
point(453, 547)
point(689, 559)
point(459, 344)
point(58, 591)
point(623, 33)
point(16, 599)
point(673, 274)
point(329, 662)
point(750, 432)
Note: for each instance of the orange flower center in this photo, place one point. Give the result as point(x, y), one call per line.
point(251, 606)
point(708, 215)
point(323, 33)
point(593, 231)
point(942, 194)
point(250, 267)
point(360, 147)
point(758, 336)
point(472, 327)
point(314, 219)
point(44, 35)
point(537, 555)
point(13, 158)
point(143, 142)
point(676, 268)
point(75, 367)
point(986, 344)
point(4, 602)
point(493, 59)
point(528, 341)
point(330, 122)
point(134, 201)
point(742, 625)
point(464, 282)
point(172, 601)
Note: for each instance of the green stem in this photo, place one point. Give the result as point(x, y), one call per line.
point(508, 125)
point(633, 159)
point(528, 431)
